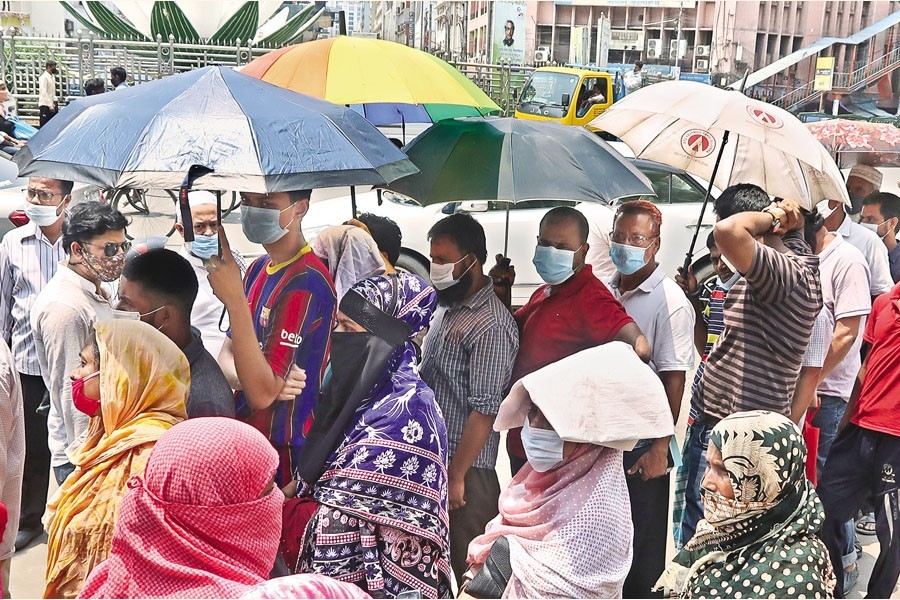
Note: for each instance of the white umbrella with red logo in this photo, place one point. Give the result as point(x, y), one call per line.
point(726, 138)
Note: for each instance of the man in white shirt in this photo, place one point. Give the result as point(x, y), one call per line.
point(600, 223)
point(65, 311)
point(659, 307)
point(47, 102)
point(862, 181)
point(29, 256)
point(838, 221)
point(208, 314)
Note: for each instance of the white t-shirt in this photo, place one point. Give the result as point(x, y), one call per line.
point(665, 316)
point(46, 89)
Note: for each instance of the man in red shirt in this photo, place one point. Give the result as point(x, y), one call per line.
point(863, 465)
point(573, 312)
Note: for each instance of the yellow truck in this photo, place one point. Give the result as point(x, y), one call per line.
point(567, 95)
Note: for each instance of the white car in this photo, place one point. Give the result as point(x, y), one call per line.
point(679, 198)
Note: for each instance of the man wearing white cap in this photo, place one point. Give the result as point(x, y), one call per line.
point(208, 311)
point(862, 181)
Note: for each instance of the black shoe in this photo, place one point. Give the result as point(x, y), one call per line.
point(26, 536)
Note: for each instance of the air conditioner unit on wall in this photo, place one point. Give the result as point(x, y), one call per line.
point(701, 65)
point(701, 51)
point(542, 54)
point(654, 48)
point(676, 49)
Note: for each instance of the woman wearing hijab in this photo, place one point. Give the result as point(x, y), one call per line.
point(304, 585)
point(761, 515)
point(350, 254)
point(133, 385)
point(204, 521)
point(382, 522)
point(564, 528)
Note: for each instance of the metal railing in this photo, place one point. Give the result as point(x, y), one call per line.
point(22, 60)
point(503, 83)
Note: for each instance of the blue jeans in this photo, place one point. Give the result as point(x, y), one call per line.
point(698, 441)
point(827, 419)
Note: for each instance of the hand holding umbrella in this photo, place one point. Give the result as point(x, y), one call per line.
point(225, 276)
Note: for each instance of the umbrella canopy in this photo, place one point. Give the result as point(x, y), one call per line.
point(852, 142)
point(514, 160)
point(683, 123)
point(256, 137)
point(364, 71)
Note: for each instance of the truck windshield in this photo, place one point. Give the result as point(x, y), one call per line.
point(547, 88)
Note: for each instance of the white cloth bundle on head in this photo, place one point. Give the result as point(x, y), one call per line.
point(606, 396)
point(351, 253)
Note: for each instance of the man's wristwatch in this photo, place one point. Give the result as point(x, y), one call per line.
point(776, 222)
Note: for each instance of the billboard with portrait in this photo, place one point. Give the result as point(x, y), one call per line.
point(508, 33)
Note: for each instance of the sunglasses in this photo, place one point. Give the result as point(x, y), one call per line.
point(111, 249)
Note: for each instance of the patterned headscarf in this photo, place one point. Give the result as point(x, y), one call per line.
point(198, 524)
point(390, 468)
point(764, 541)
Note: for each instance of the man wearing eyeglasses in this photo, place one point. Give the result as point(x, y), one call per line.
point(666, 318)
point(93, 237)
point(29, 256)
point(281, 321)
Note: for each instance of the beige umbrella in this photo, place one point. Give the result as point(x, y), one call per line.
point(726, 138)
point(604, 396)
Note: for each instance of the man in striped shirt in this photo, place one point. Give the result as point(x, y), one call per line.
point(29, 257)
point(769, 313)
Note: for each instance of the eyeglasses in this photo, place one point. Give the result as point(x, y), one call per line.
point(110, 249)
point(631, 240)
point(43, 197)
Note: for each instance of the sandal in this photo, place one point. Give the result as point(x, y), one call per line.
point(866, 525)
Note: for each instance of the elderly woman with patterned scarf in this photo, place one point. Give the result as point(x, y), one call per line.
point(761, 515)
point(382, 518)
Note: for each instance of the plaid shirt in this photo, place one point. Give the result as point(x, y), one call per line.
point(468, 358)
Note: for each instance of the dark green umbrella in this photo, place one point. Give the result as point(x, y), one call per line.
point(514, 160)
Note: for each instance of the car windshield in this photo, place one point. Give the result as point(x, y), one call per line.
point(548, 88)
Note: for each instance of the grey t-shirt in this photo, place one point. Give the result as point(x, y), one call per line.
point(210, 394)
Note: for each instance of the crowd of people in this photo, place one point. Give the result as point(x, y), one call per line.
point(318, 424)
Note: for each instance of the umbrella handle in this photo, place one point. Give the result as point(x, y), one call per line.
point(690, 253)
point(184, 206)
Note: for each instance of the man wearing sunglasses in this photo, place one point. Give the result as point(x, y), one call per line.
point(29, 256)
point(281, 321)
point(93, 237)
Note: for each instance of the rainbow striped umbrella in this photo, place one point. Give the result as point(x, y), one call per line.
point(388, 83)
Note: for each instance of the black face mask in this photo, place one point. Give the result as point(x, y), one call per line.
point(358, 361)
point(456, 293)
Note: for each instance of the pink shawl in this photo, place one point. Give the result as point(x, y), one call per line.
point(196, 525)
point(306, 585)
point(569, 529)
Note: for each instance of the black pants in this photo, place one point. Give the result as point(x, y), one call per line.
point(863, 466)
point(46, 114)
point(468, 522)
point(649, 514)
point(36, 478)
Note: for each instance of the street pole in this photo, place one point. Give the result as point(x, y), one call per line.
point(678, 35)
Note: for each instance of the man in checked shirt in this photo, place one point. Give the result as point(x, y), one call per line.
point(468, 358)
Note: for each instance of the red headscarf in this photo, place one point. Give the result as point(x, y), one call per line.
point(197, 524)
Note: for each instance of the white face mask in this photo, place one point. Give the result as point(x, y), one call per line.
point(874, 228)
point(824, 209)
point(42, 215)
point(727, 285)
point(442, 275)
point(543, 447)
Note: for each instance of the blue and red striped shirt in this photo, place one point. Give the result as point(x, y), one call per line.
point(293, 307)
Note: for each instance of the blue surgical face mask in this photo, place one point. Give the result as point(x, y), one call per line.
point(263, 225)
point(554, 265)
point(627, 259)
point(543, 447)
point(204, 246)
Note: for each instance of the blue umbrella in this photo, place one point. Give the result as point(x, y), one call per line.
point(250, 135)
